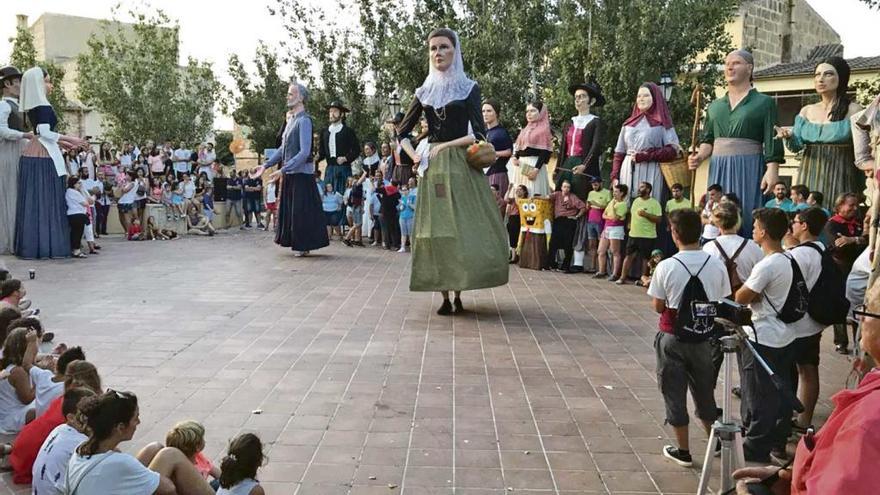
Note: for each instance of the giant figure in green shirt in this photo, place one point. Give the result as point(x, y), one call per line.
point(740, 138)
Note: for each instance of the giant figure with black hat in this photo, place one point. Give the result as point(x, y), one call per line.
point(339, 146)
point(12, 139)
point(579, 154)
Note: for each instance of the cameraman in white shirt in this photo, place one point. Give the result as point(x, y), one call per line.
point(765, 415)
point(806, 228)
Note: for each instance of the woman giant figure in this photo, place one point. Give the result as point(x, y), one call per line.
point(459, 242)
point(822, 130)
point(41, 229)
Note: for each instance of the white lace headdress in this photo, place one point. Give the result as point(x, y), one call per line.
point(442, 87)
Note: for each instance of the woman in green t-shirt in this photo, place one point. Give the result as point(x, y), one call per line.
point(613, 233)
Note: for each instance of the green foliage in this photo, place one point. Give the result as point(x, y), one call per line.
point(341, 61)
point(132, 77)
point(635, 41)
point(24, 56)
point(259, 104)
point(866, 90)
point(518, 50)
point(221, 147)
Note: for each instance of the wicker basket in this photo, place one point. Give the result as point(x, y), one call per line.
point(676, 172)
point(480, 155)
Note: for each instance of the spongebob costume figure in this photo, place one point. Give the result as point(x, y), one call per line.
point(536, 220)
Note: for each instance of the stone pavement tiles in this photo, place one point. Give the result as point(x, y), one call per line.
point(546, 385)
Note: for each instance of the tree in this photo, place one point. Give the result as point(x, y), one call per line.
point(340, 64)
point(259, 105)
point(873, 4)
point(221, 147)
point(523, 49)
point(24, 56)
point(866, 91)
point(130, 74)
point(638, 40)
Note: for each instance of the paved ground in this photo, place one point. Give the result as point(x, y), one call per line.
point(545, 386)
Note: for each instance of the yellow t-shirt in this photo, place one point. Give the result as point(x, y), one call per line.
point(673, 205)
point(616, 209)
point(642, 227)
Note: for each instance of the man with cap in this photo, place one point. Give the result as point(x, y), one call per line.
point(12, 140)
point(339, 146)
point(740, 138)
point(579, 154)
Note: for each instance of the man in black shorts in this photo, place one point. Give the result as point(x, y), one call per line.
point(806, 228)
point(645, 214)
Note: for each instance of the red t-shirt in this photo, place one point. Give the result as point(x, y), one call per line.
point(133, 230)
point(27, 444)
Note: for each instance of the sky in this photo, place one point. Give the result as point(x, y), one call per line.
point(212, 30)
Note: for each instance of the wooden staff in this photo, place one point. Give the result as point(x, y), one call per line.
point(696, 100)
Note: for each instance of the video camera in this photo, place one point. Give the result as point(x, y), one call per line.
point(726, 312)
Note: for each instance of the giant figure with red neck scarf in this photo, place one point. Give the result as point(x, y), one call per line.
point(647, 138)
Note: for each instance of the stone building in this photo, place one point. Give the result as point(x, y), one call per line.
point(779, 31)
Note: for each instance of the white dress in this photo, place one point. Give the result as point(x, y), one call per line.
point(539, 186)
point(642, 137)
point(12, 412)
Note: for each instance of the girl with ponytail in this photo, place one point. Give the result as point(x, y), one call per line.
point(239, 467)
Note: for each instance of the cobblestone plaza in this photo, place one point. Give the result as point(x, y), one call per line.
point(545, 385)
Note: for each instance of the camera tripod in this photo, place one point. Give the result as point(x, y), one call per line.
point(726, 430)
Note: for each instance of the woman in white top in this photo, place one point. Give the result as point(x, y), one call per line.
point(98, 466)
point(50, 466)
point(729, 245)
point(127, 194)
point(16, 391)
point(77, 205)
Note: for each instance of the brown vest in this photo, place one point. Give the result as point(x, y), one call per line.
point(16, 118)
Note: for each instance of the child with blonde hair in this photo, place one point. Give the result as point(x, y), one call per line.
point(189, 437)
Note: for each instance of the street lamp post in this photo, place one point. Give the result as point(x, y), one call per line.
point(666, 83)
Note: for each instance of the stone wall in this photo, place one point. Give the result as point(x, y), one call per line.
point(767, 23)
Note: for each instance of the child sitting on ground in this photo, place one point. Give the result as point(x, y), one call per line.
point(656, 258)
point(50, 466)
point(154, 233)
point(239, 467)
point(189, 437)
point(16, 391)
point(134, 230)
point(48, 383)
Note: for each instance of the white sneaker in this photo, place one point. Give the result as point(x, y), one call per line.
point(401, 250)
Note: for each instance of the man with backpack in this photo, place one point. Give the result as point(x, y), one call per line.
point(683, 288)
point(776, 293)
point(827, 293)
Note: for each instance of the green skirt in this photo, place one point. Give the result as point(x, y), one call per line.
point(830, 169)
point(459, 241)
point(580, 184)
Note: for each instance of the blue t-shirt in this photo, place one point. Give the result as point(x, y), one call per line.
point(331, 201)
point(786, 205)
point(407, 206)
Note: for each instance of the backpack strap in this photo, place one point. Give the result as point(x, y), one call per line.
point(742, 246)
point(812, 245)
point(727, 259)
point(708, 257)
